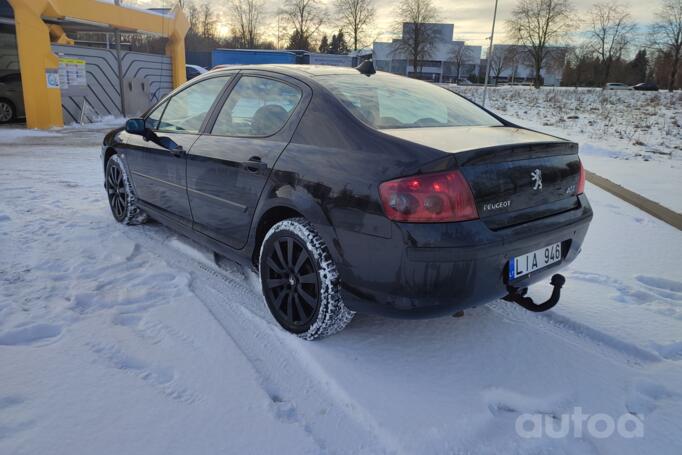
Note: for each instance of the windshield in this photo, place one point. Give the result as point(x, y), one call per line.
point(387, 101)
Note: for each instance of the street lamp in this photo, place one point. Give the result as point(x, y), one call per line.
point(489, 56)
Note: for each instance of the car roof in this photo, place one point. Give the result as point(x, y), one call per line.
point(299, 70)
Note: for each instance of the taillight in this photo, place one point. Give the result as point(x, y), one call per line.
point(429, 198)
point(580, 188)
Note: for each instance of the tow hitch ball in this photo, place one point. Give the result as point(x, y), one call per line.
point(516, 295)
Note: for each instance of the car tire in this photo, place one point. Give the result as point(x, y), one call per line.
point(120, 194)
point(8, 112)
point(300, 281)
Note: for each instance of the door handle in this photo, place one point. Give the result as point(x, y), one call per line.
point(254, 164)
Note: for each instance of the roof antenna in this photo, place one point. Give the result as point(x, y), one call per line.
point(366, 68)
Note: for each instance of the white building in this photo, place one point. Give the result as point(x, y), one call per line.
point(448, 59)
point(512, 63)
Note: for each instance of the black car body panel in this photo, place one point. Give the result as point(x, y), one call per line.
point(646, 87)
point(326, 165)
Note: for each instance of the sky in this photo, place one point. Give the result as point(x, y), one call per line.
point(472, 18)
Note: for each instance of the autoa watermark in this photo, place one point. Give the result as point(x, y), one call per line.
point(598, 426)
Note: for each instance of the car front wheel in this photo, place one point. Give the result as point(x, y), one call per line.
point(120, 193)
point(300, 281)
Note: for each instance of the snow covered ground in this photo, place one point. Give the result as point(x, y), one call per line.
point(133, 340)
point(632, 138)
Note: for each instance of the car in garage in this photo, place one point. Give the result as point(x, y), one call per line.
point(11, 97)
point(351, 190)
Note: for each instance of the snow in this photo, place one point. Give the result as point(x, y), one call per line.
point(11, 135)
point(632, 138)
point(118, 339)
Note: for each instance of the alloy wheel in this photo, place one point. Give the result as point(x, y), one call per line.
point(6, 112)
point(118, 198)
point(291, 282)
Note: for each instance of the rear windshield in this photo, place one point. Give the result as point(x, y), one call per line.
point(386, 101)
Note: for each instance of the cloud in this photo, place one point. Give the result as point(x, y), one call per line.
point(472, 18)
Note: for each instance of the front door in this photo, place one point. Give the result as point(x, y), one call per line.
point(228, 167)
point(158, 162)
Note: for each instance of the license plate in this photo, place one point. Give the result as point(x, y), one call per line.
point(535, 260)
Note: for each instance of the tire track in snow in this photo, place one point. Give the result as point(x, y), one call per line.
point(575, 333)
point(282, 363)
point(289, 374)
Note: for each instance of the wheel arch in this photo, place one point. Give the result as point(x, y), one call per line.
point(267, 220)
point(289, 201)
point(108, 153)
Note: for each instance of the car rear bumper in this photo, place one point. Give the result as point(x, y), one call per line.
point(430, 270)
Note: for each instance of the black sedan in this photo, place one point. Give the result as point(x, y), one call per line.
point(353, 191)
point(646, 87)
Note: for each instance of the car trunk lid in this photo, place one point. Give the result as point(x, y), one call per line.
point(515, 175)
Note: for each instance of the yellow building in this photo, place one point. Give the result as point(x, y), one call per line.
point(39, 31)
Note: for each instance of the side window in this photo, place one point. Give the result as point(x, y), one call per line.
point(256, 107)
point(186, 110)
point(152, 120)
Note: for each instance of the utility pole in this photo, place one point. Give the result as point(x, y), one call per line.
point(117, 37)
point(489, 56)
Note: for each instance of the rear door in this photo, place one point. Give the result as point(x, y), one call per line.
point(158, 173)
point(228, 166)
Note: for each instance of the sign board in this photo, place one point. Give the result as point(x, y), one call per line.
point(72, 73)
point(331, 59)
point(52, 78)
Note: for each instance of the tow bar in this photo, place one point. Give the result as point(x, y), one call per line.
point(516, 295)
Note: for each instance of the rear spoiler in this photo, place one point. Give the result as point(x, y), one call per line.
point(502, 153)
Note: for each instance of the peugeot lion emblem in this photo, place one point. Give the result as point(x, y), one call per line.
point(536, 177)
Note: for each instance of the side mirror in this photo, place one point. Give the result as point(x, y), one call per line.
point(135, 126)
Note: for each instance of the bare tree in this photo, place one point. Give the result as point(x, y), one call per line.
point(539, 24)
point(419, 37)
point(556, 61)
point(517, 56)
point(668, 36)
point(193, 17)
point(280, 23)
point(501, 60)
point(459, 56)
point(610, 33)
point(305, 18)
point(207, 21)
point(247, 16)
point(355, 16)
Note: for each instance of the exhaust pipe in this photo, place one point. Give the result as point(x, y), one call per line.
point(516, 295)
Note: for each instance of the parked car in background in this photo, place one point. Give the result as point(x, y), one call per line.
point(11, 98)
point(193, 71)
point(617, 86)
point(353, 191)
point(646, 87)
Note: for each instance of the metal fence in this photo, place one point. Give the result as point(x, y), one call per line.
point(142, 80)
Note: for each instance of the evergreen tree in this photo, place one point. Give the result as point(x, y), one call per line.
point(324, 45)
point(638, 68)
point(299, 41)
point(339, 44)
